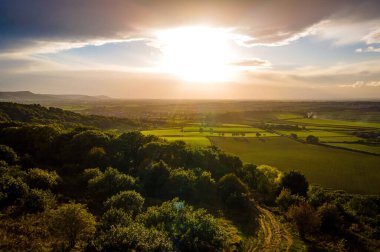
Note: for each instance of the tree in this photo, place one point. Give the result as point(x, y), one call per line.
point(233, 192)
point(72, 223)
point(153, 177)
point(286, 199)
point(330, 218)
point(181, 183)
point(295, 182)
point(305, 218)
point(134, 237)
point(11, 190)
point(191, 230)
point(42, 179)
point(268, 179)
point(109, 183)
point(130, 201)
point(114, 217)
point(38, 200)
point(8, 154)
point(294, 136)
point(312, 139)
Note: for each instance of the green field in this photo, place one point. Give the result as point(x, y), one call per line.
point(335, 123)
point(223, 129)
point(193, 136)
point(332, 168)
point(195, 141)
point(359, 147)
point(324, 136)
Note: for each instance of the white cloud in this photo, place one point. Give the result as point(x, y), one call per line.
point(368, 49)
point(359, 84)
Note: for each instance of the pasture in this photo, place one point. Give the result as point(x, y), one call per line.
point(332, 168)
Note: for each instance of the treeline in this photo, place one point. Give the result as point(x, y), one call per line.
point(36, 113)
point(87, 189)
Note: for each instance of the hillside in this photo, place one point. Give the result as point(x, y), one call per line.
point(29, 97)
point(36, 113)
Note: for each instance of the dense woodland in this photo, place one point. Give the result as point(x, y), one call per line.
point(66, 186)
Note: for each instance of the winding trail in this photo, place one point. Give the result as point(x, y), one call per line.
point(272, 235)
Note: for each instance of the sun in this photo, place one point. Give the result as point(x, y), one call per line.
point(196, 54)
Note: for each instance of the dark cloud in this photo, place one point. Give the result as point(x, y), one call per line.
point(23, 22)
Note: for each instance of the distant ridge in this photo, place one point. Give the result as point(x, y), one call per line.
point(29, 97)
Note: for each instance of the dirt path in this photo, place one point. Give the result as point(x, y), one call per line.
point(272, 235)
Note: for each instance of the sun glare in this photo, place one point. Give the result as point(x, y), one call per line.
point(196, 54)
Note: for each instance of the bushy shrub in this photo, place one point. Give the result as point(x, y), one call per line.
point(285, 199)
point(42, 179)
point(8, 154)
point(38, 200)
point(305, 217)
point(130, 201)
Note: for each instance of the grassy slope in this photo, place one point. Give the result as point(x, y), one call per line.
point(332, 168)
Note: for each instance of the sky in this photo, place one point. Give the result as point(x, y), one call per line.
point(200, 49)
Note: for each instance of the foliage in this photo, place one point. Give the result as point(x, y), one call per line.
point(11, 190)
point(38, 200)
point(153, 177)
point(268, 179)
point(312, 139)
point(8, 154)
point(42, 179)
point(72, 223)
point(110, 182)
point(134, 237)
point(331, 219)
point(114, 217)
point(192, 230)
point(233, 192)
point(305, 217)
point(295, 182)
point(286, 199)
point(181, 184)
point(130, 201)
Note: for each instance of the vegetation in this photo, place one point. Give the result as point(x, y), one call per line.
point(81, 188)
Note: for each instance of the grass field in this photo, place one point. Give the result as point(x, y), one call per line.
point(336, 123)
point(323, 135)
point(332, 168)
point(359, 147)
point(195, 141)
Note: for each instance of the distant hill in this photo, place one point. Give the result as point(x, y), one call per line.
point(29, 97)
point(36, 113)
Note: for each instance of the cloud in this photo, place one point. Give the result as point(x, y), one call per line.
point(251, 63)
point(26, 24)
point(359, 84)
point(368, 49)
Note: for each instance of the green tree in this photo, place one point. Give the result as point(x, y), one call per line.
point(153, 177)
point(109, 183)
point(114, 217)
point(286, 199)
point(295, 182)
point(134, 237)
point(38, 200)
point(181, 184)
point(42, 179)
point(8, 154)
point(233, 192)
point(73, 224)
point(191, 230)
point(312, 139)
point(11, 190)
point(130, 201)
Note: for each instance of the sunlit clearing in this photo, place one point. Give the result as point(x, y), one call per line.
point(196, 54)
